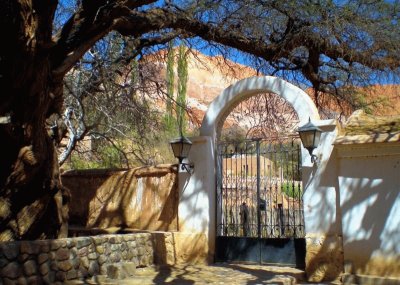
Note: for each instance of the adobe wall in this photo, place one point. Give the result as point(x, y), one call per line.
point(143, 198)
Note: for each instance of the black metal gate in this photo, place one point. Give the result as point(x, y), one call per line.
point(259, 202)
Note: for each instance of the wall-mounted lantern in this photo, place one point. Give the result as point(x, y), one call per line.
point(181, 147)
point(310, 136)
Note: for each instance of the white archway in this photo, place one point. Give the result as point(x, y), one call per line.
point(245, 88)
point(197, 206)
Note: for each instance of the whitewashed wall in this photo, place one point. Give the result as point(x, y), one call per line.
point(351, 196)
point(196, 209)
point(369, 182)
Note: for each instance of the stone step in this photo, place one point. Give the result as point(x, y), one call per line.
point(121, 270)
point(349, 279)
point(95, 280)
point(114, 274)
point(323, 283)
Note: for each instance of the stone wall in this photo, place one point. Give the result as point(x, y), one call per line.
point(52, 261)
point(143, 198)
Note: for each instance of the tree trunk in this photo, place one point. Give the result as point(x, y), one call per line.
point(33, 202)
point(32, 199)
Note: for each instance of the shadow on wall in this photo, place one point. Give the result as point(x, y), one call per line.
point(196, 199)
point(194, 211)
point(144, 198)
point(370, 204)
point(368, 212)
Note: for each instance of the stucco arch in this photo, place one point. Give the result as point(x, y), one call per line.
point(222, 105)
point(198, 211)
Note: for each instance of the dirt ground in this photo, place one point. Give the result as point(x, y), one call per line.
point(234, 274)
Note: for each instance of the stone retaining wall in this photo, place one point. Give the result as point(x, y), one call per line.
point(52, 261)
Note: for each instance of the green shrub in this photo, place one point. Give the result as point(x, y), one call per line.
point(293, 190)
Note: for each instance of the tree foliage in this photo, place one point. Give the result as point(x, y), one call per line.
point(329, 45)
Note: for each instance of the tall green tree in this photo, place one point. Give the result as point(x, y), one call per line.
point(175, 121)
point(325, 44)
point(170, 85)
point(182, 70)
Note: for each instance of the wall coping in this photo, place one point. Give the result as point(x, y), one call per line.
point(362, 128)
point(370, 150)
point(367, 139)
point(142, 171)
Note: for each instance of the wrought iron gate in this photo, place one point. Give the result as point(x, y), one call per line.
point(259, 202)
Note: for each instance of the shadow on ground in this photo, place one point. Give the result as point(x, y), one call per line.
point(216, 274)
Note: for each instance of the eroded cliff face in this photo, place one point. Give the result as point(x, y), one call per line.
point(208, 76)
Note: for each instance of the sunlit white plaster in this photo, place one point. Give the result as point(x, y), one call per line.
point(353, 218)
point(139, 194)
point(390, 237)
point(243, 89)
point(197, 207)
point(369, 183)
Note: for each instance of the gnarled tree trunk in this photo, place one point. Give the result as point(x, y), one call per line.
point(32, 199)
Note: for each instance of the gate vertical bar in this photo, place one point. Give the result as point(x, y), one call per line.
point(219, 197)
point(258, 185)
point(258, 189)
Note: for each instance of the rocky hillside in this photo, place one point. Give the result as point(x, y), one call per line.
point(208, 76)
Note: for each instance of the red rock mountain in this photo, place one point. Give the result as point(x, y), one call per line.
point(208, 76)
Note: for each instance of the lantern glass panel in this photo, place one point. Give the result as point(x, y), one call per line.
point(185, 150)
point(307, 138)
point(181, 147)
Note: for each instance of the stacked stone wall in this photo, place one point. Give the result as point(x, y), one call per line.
point(52, 261)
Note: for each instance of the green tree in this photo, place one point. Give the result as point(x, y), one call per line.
point(182, 88)
point(178, 102)
point(328, 45)
point(170, 86)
